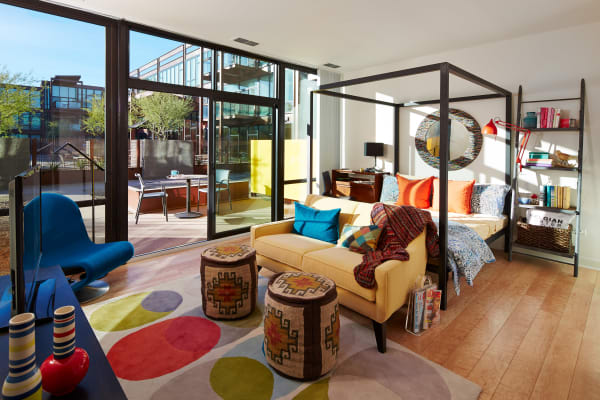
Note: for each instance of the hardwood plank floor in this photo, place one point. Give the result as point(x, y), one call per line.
point(527, 329)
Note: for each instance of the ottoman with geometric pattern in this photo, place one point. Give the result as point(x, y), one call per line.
point(302, 325)
point(229, 281)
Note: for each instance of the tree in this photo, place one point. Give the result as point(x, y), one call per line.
point(164, 112)
point(15, 100)
point(94, 122)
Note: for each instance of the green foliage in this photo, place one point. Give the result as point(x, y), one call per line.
point(15, 100)
point(164, 112)
point(94, 122)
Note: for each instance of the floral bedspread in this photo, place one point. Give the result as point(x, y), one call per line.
point(467, 252)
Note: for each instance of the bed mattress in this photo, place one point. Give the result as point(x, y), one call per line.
point(484, 225)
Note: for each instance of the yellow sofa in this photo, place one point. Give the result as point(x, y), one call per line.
point(279, 250)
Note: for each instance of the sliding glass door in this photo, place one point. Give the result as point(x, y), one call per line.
point(243, 143)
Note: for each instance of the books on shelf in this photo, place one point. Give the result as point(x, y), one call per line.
point(557, 196)
point(548, 117)
point(539, 159)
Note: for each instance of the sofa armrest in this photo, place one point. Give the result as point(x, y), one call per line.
point(272, 228)
point(395, 279)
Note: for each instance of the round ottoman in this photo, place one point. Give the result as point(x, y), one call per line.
point(229, 281)
point(302, 325)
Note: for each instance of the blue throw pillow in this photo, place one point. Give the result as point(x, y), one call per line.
point(489, 199)
point(317, 224)
point(389, 189)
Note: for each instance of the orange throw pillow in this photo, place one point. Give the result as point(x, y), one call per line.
point(414, 192)
point(459, 196)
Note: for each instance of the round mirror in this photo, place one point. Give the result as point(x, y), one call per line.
point(465, 139)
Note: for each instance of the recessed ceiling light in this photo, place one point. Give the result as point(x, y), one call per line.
point(245, 41)
point(331, 65)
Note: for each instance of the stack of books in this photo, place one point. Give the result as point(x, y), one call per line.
point(557, 196)
point(548, 117)
point(539, 159)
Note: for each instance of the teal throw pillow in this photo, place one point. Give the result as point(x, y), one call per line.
point(317, 224)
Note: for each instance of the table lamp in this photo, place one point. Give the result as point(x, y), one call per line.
point(373, 149)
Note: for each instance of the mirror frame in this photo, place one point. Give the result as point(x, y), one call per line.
point(470, 153)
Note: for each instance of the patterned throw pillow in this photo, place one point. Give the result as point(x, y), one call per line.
point(389, 189)
point(489, 199)
point(360, 238)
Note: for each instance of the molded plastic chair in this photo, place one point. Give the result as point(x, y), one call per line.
point(148, 195)
point(221, 184)
point(65, 242)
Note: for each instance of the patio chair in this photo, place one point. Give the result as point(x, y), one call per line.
point(221, 184)
point(150, 195)
point(65, 242)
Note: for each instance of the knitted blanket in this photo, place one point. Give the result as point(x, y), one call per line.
point(399, 225)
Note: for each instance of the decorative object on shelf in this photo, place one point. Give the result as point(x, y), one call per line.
point(524, 200)
point(530, 120)
point(465, 139)
point(491, 129)
point(66, 367)
point(564, 123)
point(560, 159)
point(24, 380)
point(373, 149)
point(534, 199)
point(572, 123)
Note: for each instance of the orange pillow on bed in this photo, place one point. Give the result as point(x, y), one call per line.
point(459, 196)
point(414, 192)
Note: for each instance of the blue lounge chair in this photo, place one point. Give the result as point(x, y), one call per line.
point(65, 242)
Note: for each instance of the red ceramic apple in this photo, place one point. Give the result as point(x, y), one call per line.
point(66, 367)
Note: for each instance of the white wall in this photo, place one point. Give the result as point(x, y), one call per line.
point(548, 65)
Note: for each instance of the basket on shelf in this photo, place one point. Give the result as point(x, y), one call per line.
point(545, 237)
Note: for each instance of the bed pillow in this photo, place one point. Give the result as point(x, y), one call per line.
point(360, 238)
point(459, 196)
point(389, 189)
point(489, 199)
point(414, 192)
point(317, 224)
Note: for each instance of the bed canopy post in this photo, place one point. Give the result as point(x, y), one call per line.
point(443, 181)
point(309, 132)
point(396, 138)
point(509, 177)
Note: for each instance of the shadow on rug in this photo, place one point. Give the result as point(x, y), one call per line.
point(161, 346)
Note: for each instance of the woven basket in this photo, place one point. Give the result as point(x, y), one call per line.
point(545, 237)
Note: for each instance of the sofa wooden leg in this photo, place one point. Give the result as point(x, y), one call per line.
point(380, 336)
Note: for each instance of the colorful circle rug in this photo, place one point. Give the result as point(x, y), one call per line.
point(162, 346)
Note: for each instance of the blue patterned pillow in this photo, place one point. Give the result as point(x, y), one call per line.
point(489, 199)
point(389, 189)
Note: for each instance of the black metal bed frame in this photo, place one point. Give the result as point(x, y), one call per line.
point(444, 69)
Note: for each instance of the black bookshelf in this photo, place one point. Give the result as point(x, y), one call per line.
point(574, 257)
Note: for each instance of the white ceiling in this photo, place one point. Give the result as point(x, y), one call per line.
point(351, 33)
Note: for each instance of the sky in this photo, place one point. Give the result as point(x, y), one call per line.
point(44, 45)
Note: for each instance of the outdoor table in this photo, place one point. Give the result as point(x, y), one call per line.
point(188, 213)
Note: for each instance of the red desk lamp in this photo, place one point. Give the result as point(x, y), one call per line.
point(490, 129)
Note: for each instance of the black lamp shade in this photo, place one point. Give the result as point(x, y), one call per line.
point(373, 149)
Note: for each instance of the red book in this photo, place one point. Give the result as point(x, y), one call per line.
point(544, 117)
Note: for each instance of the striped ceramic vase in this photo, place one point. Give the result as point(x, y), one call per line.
point(67, 365)
point(24, 380)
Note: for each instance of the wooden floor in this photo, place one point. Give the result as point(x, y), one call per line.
point(527, 329)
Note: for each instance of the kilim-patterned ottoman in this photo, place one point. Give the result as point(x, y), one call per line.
point(302, 325)
point(229, 281)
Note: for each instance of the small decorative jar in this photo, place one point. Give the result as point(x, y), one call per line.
point(24, 380)
point(530, 120)
point(66, 367)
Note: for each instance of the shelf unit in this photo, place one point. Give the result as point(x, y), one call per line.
point(568, 259)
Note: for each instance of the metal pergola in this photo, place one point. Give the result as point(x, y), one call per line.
point(445, 69)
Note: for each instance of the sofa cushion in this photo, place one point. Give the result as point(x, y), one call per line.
point(288, 248)
point(337, 263)
point(362, 214)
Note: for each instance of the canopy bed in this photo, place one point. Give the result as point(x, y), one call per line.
point(435, 150)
